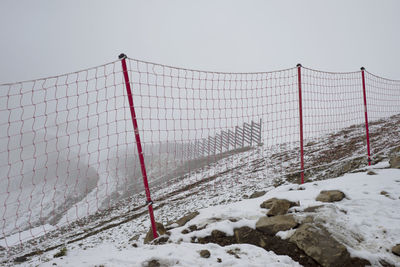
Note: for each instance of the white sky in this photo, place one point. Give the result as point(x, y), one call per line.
point(49, 37)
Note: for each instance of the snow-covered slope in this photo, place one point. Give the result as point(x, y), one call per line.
point(366, 222)
point(229, 180)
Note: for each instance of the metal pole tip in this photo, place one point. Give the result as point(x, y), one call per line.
point(362, 68)
point(299, 65)
point(122, 56)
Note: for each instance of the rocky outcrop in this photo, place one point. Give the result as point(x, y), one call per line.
point(277, 206)
point(272, 225)
point(317, 243)
point(310, 244)
point(330, 196)
point(247, 235)
point(160, 231)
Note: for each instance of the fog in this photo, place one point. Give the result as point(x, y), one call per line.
point(44, 38)
point(67, 141)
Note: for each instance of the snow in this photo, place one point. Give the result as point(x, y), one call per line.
point(366, 222)
point(185, 254)
point(17, 238)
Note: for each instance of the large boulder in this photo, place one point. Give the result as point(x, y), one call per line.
point(330, 196)
point(160, 231)
point(277, 206)
point(317, 243)
point(272, 225)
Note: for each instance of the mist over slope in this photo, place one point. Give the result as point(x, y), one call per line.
point(224, 181)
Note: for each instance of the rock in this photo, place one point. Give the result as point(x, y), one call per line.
point(313, 208)
point(61, 253)
point(161, 240)
point(185, 231)
point(317, 243)
point(396, 250)
point(247, 235)
point(277, 206)
point(385, 263)
point(20, 259)
point(160, 231)
point(347, 167)
point(182, 221)
point(272, 225)
point(152, 263)
point(234, 252)
point(257, 194)
point(268, 203)
point(384, 193)
point(371, 173)
point(217, 237)
point(330, 196)
point(205, 253)
point(308, 219)
point(135, 237)
point(394, 161)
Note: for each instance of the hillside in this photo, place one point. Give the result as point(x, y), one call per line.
point(365, 222)
point(229, 180)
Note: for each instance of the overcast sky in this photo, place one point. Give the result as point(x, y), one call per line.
point(49, 37)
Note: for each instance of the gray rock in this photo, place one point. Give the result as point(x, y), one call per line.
point(182, 221)
point(268, 203)
point(257, 194)
point(205, 253)
point(152, 263)
point(396, 250)
point(272, 225)
point(313, 208)
point(317, 243)
point(278, 206)
point(247, 235)
point(394, 161)
point(160, 231)
point(330, 196)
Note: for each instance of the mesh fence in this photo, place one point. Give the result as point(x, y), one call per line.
point(68, 151)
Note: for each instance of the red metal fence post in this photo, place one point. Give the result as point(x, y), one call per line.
point(301, 124)
point(122, 57)
point(366, 115)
